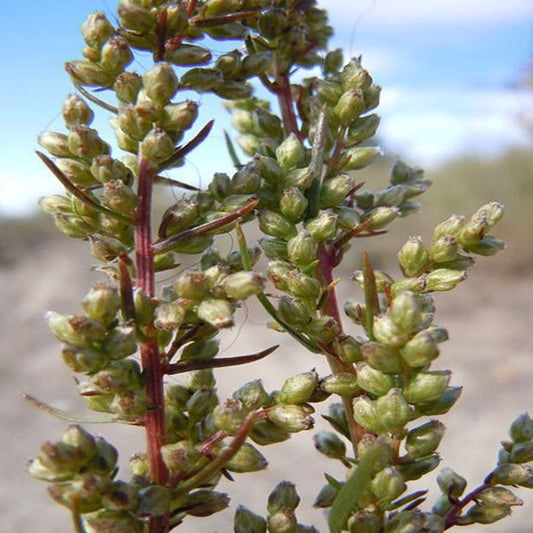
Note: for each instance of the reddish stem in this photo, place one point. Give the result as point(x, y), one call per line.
point(150, 358)
point(282, 88)
point(326, 263)
point(455, 511)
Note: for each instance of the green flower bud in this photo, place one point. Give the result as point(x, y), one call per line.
point(361, 157)
point(427, 386)
point(335, 190)
point(116, 55)
point(144, 307)
point(522, 428)
point(444, 249)
point(200, 349)
point(294, 311)
point(191, 285)
point(424, 439)
point(415, 469)
point(169, 316)
point(154, 500)
point(127, 86)
point(75, 111)
point(451, 226)
point(283, 496)
point(364, 522)
point(381, 357)
point(379, 217)
point(105, 249)
point(450, 483)
point(442, 405)
point(245, 521)
point(117, 376)
point(365, 414)
point(343, 384)
point(229, 416)
point(402, 173)
point(268, 168)
point(293, 204)
point(405, 312)
point(274, 224)
point(328, 91)
point(265, 432)
point(160, 83)
point(77, 171)
point(136, 18)
point(217, 312)
point(486, 515)
point(393, 410)
point(347, 348)
point(323, 227)
point(350, 106)
point(188, 55)
point(96, 30)
point(291, 418)
point(301, 178)
point(330, 445)
point(104, 169)
point(101, 303)
point(132, 123)
point(84, 360)
point(326, 497)
point(233, 90)
point(85, 143)
point(180, 116)
point(491, 212)
point(56, 204)
point(364, 198)
point(247, 459)
point(413, 257)
point(109, 521)
point(363, 128)
point(243, 284)
point(72, 226)
point(129, 403)
point(119, 197)
point(496, 497)
point(302, 249)
point(290, 153)
point(487, 246)
point(120, 342)
point(372, 95)
point(420, 350)
point(180, 456)
point(77, 330)
point(298, 389)
point(386, 332)
point(473, 231)
point(201, 79)
point(81, 439)
point(387, 485)
point(157, 145)
point(510, 474)
point(301, 286)
point(252, 395)
point(444, 279)
point(415, 285)
point(89, 74)
point(283, 521)
point(81, 494)
point(273, 247)
point(373, 381)
point(323, 329)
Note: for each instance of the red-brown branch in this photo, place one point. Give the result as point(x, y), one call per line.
point(151, 364)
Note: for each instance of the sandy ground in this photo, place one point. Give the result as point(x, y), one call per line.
point(490, 351)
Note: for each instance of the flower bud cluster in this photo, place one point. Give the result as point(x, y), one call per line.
point(441, 266)
point(98, 345)
point(81, 469)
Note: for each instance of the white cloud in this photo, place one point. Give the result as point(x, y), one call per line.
point(429, 126)
point(416, 12)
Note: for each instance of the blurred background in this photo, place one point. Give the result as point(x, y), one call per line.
point(457, 99)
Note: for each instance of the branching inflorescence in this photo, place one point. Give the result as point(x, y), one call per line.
point(300, 183)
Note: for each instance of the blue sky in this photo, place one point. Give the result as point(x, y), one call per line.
point(449, 72)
